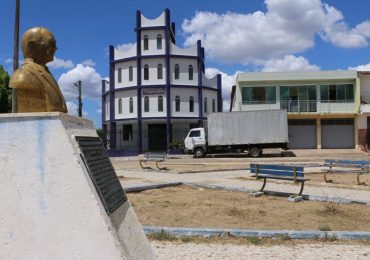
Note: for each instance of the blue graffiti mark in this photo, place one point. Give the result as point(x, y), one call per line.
point(43, 136)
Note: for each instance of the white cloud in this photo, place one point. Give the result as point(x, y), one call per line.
point(88, 62)
point(59, 63)
point(289, 63)
point(125, 46)
point(9, 61)
point(227, 82)
point(72, 109)
point(91, 82)
point(365, 67)
point(287, 27)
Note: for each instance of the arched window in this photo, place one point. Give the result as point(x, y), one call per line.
point(205, 105)
point(131, 105)
point(191, 104)
point(191, 72)
point(160, 104)
point(120, 106)
point(130, 74)
point(119, 75)
point(160, 71)
point(146, 104)
point(177, 71)
point(177, 104)
point(146, 72)
point(146, 42)
point(159, 41)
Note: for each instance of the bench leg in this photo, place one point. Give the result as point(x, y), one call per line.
point(142, 166)
point(263, 185)
point(358, 180)
point(160, 168)
point(326, 179)
point(302, 186)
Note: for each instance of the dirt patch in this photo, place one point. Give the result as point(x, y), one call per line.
point(184, 206)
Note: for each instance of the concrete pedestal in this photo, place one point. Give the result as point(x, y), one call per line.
point(49, 207)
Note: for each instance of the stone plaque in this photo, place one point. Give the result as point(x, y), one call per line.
point(101, 172)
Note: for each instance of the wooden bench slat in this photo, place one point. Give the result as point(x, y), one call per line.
point(270, 176)
point(282, 170)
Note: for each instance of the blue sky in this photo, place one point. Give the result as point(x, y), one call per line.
point(238, 36)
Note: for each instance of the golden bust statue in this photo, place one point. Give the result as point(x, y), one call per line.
point(36, 88)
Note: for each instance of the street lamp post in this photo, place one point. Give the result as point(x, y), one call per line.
point(78, 85)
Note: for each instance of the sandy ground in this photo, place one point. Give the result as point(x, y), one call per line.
point(133, 175)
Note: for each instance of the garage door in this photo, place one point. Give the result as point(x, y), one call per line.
point(337, 133)
point(302, 133)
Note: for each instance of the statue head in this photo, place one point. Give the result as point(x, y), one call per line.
point(39, 44)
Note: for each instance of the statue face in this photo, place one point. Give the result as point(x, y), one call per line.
point(51, 47)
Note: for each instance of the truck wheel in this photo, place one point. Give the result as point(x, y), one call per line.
point(255, 152)
point(199, 153)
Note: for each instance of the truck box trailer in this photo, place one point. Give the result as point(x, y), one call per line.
point(237, 132)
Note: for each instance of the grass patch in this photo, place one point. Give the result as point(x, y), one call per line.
point(162, 236)
point(183, 206)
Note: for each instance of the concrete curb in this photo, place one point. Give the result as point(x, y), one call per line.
point(151, 187)
point(293, 234)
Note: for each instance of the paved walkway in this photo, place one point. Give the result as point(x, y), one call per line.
point(231, 180)
point(166, 250)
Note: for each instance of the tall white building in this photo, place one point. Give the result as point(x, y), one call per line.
point(157, 91)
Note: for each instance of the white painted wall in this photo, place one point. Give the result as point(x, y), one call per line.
point(118, 54)
point(192, 51)
point(153, 73)
point(210, 96)
point(125, 96)
point(184, 94)
point(152, 35)
point(153, 106)
point(107, 108)
point(365, 87)
point(159, 21)
point(209, 82)
point(184, 71)
point(125, 74)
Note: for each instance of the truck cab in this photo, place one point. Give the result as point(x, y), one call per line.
point(195, 142)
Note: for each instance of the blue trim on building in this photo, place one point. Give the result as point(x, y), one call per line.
point(111, 99)
point(138, 60)
point(219, 93)
point(200, 91)
point(103, 94)
point(161, 86)
point(155, 56)
point(168, 79)
point(147, 28)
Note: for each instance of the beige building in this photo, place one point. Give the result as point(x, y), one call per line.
point(326, 109)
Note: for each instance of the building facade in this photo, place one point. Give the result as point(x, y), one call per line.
point(326, 109)
point(156, 90)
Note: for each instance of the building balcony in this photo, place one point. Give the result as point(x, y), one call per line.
point(306, 106)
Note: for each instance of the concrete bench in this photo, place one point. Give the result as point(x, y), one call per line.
point(346, 166)
point(280, 172)
point(156, 157)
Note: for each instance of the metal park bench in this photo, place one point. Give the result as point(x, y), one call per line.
point(280, 172)
point(156, 157)
point(346, 166)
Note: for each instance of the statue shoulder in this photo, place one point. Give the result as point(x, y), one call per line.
point(23, 78)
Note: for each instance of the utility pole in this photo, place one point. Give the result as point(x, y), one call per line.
point(16, 51)
point(78, 85)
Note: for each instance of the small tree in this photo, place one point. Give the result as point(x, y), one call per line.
point(5, 92)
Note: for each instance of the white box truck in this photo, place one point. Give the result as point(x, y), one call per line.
point(239, 132)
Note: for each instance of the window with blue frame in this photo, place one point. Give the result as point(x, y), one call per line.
point(259, 95)
point(340, 93)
